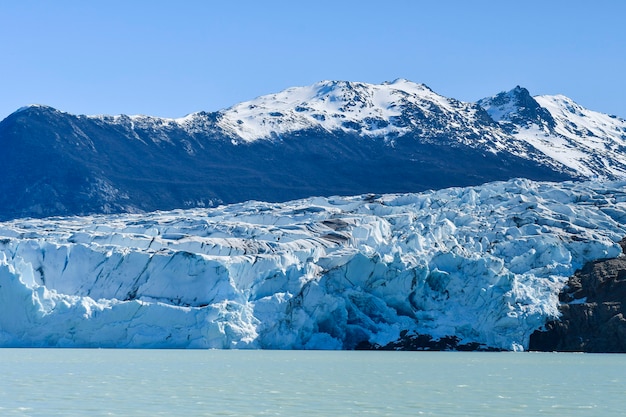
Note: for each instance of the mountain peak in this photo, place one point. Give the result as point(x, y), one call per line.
point(36, 107)
point(405, 84)
point(353, 107)
point(517, 106)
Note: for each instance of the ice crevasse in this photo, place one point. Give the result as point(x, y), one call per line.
point(484, 264)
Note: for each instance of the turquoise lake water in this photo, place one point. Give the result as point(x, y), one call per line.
point(76, 382)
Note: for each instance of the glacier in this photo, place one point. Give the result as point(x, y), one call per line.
point(484, 264)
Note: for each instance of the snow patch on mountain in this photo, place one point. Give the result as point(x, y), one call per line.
point(558, 148)
point(31, 106)
point(575, 121)
point(588, 142)
point(368, 109)
point(482, 263)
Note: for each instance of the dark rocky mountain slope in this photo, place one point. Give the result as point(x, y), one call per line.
point(332, 138)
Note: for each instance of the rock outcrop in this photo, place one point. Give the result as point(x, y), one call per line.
point(592, 312)
point(413, 341)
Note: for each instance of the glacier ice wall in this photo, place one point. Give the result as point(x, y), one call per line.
point(484, 264)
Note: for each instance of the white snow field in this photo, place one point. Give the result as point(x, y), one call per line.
point(588, 142)
point(484, 264)
point(337, 105)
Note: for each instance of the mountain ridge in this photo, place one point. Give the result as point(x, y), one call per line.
point(333, 137)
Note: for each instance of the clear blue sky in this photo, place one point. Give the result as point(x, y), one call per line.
point(171, 58)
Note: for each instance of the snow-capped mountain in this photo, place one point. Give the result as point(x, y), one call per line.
point(591, 143)
point(331, 138)
point(387, 110)
point(481, 264)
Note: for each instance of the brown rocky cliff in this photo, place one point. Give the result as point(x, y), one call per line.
point(592, 313)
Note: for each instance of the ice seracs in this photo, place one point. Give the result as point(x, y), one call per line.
point(484, 264)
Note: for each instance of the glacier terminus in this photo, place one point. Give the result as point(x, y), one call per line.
point(340, 215)
point(484, 264)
